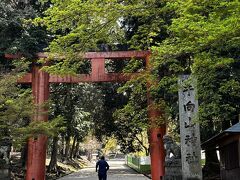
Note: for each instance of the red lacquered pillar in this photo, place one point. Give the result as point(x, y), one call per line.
point(37, 146)
point(156, 134)
point(157, 152)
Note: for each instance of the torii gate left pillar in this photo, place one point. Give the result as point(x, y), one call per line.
point(37, 146)
point(40, 87)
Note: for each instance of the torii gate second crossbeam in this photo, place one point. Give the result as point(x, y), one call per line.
point(40, 87)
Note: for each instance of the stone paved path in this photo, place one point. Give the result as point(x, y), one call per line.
point(117, 171)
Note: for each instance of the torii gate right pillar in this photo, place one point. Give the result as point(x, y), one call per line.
point(156, 134)
point(156, 146)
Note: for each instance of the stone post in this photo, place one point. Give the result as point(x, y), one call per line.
point(5, 148)
point(189, 130)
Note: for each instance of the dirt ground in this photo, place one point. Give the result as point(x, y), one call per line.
point(63, 168)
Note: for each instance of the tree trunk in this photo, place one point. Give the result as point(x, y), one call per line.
point(89, 155)
point(146, 148)
point(24, 152)
point(63, 146)
point(225, 124)
point(76, 152)
point(211, 168)
point(67, 148)
point(73, 147)
point(53, 162)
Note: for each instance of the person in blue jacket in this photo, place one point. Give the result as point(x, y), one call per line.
point(102, 167)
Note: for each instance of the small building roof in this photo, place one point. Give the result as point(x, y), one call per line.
point(235, 129)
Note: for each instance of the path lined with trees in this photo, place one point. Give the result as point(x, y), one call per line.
point(117, 171)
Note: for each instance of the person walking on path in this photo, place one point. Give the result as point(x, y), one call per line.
point(102, 167)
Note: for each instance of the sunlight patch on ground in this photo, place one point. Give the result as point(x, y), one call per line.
point(68, 166)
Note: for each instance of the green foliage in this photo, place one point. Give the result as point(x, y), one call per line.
point(131, 120)
point(17, 35)
point(17, 109)
point(16, 103)
point(204, 41)
point(81, 25)
point(110, 145)
point(218, 91)
point(84, 109)
point(110, 100)
point(36, 128)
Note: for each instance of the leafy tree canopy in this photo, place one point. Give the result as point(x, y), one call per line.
point(85, 25)
point(17, 35)
point(204, 41)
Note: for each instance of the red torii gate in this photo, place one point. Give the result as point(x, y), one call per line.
point(40, 88)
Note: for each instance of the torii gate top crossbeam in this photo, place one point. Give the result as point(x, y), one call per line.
point(98, 73)
point(108, 55)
